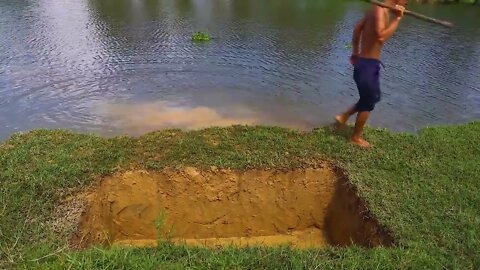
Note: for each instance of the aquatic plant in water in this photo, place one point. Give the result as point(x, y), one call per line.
point(200, 36)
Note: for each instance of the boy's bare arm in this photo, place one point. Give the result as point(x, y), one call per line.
point(357, 32)
point(384, 34)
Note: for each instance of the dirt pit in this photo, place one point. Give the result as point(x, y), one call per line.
point(304, 208)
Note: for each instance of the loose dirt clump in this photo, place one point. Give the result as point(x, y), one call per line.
point(304, 208)
point(67, 216)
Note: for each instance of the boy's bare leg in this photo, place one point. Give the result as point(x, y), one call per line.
point(342, 119)
point(357, 138)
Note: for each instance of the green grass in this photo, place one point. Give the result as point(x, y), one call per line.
point(200, 36)
point(423, 187)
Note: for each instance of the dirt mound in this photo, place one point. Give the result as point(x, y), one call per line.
point(305, 208)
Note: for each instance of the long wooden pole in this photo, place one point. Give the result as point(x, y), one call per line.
point(413, 14)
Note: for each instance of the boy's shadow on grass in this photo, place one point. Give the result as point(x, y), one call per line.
point(334, 129)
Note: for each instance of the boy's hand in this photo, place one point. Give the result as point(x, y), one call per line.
point(353, 59)
point(399, 11)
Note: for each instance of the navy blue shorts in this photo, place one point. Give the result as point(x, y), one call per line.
point(367, 77)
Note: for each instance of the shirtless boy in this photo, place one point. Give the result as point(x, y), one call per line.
point(369, 36)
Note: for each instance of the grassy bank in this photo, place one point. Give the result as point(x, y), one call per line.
point(423, 187)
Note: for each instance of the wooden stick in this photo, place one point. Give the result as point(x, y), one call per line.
point(413, 14)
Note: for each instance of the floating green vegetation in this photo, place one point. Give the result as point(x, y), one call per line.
point(201, 37)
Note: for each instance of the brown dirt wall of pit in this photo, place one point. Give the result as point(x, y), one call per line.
point(304, 208)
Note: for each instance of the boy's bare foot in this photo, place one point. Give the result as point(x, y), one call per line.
point(341, 121)
point(361, 142)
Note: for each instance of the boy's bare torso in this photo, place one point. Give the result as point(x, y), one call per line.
point(371, 46)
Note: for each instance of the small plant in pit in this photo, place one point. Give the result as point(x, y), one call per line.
point(163, 234)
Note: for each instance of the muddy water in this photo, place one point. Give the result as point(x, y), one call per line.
point(128, 67)
point(143, 117)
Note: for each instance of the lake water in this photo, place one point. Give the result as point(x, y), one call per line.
point(129, 66)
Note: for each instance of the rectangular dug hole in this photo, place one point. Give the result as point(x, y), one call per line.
point(304, 208)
